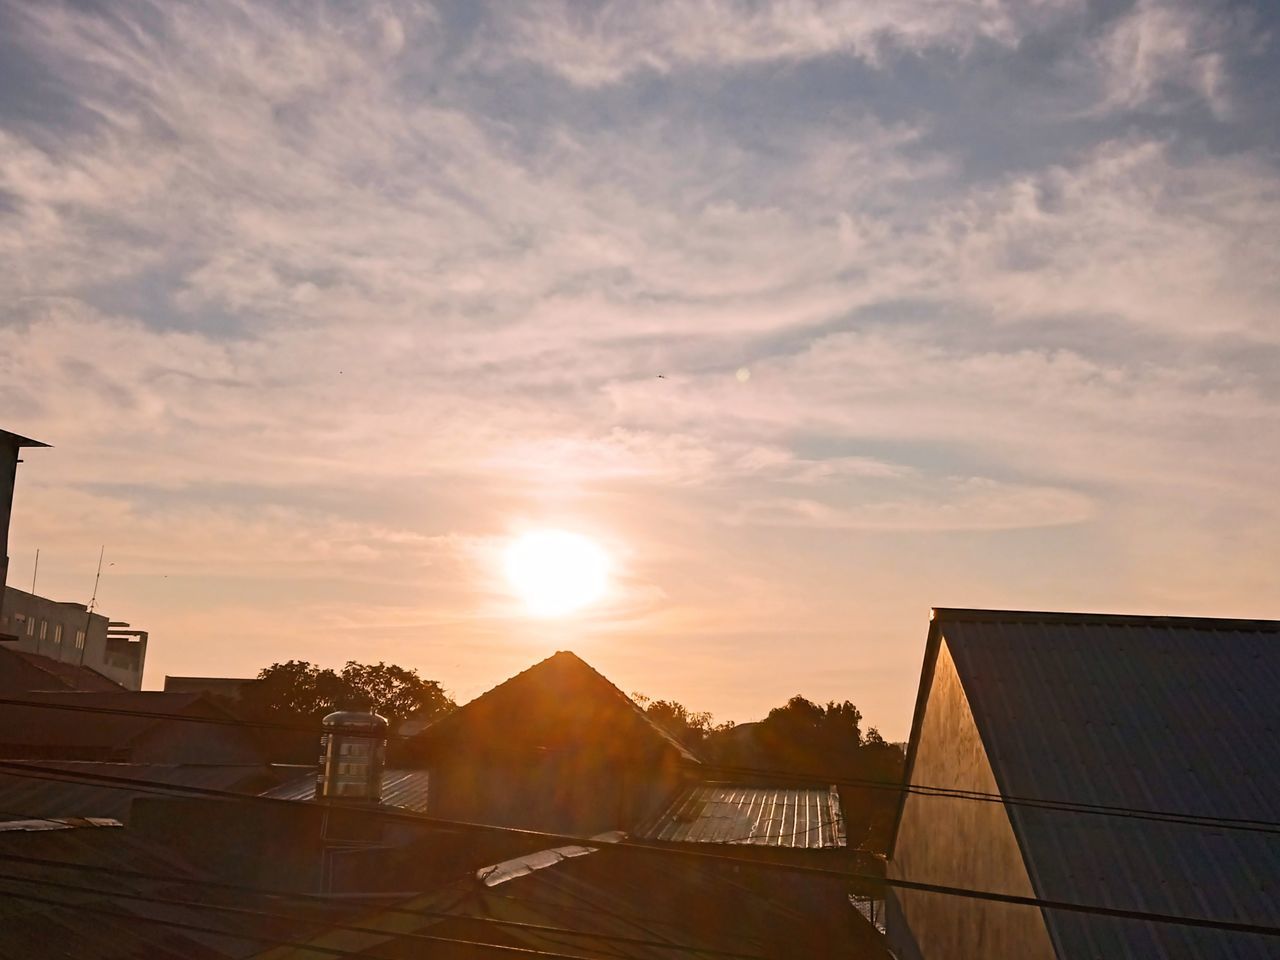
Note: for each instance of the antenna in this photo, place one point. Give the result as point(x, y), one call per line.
point(34, 571)
point(93, 602)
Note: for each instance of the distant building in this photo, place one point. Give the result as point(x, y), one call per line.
point(11, 446)
point(228, 688)
point(557, 747)
point(66, 632)
point(1169, 714)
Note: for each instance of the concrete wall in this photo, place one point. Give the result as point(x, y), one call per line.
point(958, 842)
point(25, 615)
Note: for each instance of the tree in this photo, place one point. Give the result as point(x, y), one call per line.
point(299, 690)
point(689, 727)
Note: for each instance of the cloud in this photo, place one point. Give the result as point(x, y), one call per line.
point(343, 297)
point(608, 42)
point(955, 503)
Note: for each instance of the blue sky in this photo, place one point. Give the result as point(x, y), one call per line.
point(967, 304)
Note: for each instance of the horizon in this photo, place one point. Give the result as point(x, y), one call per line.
point(799, 321)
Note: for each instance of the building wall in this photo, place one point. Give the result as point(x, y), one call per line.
point(28, 616)
point(958, 842)
point(581, 791)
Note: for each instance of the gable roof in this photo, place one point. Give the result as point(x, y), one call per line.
point(1174, 714)
point(22, 671)
point(536, 701)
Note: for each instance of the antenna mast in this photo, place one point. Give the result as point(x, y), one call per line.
point(93, 601)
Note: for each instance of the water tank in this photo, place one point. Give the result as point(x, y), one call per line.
point(353, 751)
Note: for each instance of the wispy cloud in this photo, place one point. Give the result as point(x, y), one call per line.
point(312, 293)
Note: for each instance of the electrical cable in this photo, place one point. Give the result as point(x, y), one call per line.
point(683, 852)
point(256, 938)
point(320, 899)
point(1245, 824)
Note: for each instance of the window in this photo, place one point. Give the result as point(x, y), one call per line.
point(31, 627)
point(44, 629)
point(57, 633)
point(79, 639)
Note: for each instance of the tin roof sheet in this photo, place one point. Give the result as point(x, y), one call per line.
point(762, 816)
point(400, 788)
point(42, 796)
point(1167, 714)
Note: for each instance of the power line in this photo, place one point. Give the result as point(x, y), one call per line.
point(424, 913)
point(355, 928)
point(1248, 825)
point(253, 938)
point(684, 852)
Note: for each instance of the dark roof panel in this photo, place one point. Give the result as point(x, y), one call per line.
point(1157, 713)
point(561, 687)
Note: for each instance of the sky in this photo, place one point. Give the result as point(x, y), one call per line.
point(813, 315)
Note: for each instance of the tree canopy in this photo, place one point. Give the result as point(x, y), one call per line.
point(301, 690)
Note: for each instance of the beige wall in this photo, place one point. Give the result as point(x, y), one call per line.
point(962, 843)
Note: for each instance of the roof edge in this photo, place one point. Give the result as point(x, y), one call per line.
point(976, 615)
point(931, 646)
point(18, 440)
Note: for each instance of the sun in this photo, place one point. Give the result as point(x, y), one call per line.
point(556, 572)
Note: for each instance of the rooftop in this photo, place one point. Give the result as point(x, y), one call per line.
point(400, 788)
point(1176, 714)
point(801, 817)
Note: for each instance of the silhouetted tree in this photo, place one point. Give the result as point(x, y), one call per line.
point(300, 691)
point(689, 727)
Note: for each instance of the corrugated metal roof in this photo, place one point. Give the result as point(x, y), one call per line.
point(108, 924)
point(40, 797)
point(1157, 713)
point(762, 816)
point(400, 788)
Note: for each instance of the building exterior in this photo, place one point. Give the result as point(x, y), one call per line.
point(11, 446)
point(226, 688)
point(557, 747)
point(1168, 714)
point(69, 633)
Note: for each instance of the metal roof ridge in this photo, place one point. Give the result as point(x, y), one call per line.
point(978, 615)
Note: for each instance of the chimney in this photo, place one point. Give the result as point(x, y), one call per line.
point(353, 751)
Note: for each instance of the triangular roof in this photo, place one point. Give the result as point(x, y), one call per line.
point(555, 692)
point(1177, 714)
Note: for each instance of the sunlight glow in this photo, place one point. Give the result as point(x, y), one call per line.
point(556, 572)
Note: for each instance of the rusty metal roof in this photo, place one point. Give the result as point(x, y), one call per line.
point(802, 817)
point(400, 788)
point(1155, 713)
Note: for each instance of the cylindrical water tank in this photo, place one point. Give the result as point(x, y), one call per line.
point(353, 751)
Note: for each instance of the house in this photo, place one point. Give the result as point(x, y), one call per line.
point(558, 748)
point(1137, 714)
